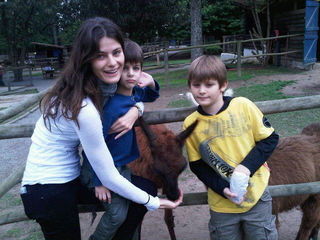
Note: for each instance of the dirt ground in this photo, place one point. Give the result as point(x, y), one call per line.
point(192, 222)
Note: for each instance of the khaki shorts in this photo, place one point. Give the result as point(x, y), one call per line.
point(257, 223)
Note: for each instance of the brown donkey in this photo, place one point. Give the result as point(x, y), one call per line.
point(297, 160)
point(161, 160)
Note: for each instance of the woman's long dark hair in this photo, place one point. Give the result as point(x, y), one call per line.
point(77, 80)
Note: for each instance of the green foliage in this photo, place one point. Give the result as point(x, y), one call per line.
point(179, 29)
point(69, 32)
point(3, 44)
point(25, 21)
point(221, 17)
point(141, 20)
point(214, 50)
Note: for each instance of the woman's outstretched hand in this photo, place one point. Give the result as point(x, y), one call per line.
point(165, 203)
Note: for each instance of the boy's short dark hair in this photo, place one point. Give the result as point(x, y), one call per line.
point(132, 52)
point(207, 67)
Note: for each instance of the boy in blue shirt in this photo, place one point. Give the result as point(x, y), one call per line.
point(134, 86)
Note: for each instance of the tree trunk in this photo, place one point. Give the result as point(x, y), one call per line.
point(196, 28)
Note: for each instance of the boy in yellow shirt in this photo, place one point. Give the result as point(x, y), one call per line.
point(228, 151)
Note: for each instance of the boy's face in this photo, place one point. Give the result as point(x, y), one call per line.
point(207, 93)
point(130, 75)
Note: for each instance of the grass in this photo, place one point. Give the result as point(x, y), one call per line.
point(179, 77)
point(35, 236)
point(9, 200)
point(171, 62)
point(27, 231)
point(248, 72)
point(37, 74)
point(180, 103)
point(176, 78)
point(24, 92)
point(13, 233)
point(263, 92)
point(292, 123)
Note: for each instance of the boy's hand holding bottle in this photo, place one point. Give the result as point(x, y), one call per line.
point(238, 185)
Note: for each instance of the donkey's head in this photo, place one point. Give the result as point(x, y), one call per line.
point(168, 160)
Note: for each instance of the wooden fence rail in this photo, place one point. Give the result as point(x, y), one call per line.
point(21, 106)
point(165, 116)
point(16, 214)
point(8, 131)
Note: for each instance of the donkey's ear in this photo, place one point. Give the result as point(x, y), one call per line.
point(186, 133)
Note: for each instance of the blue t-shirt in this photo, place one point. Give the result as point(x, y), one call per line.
point(124, 149)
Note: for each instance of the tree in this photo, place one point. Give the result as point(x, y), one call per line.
point(22, 22)
point(221, 17)
point(196, 28)
point(179, 28)
point(141, 20)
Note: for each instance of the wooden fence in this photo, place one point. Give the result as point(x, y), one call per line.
point(239, 43)
point(165, 50)
point(8, 74)
point(7, 131)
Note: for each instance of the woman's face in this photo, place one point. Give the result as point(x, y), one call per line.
point(108, 64)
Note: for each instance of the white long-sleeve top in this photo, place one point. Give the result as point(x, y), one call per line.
point(54, 155)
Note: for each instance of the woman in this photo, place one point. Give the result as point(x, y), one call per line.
point(71, 115)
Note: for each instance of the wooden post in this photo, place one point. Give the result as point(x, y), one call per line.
point(239, 58)
point(30, 75)
point(166, 67)
point(6, 78)
point(158, 59)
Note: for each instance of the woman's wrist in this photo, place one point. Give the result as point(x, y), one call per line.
point(153, 203)
point(140, 107)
